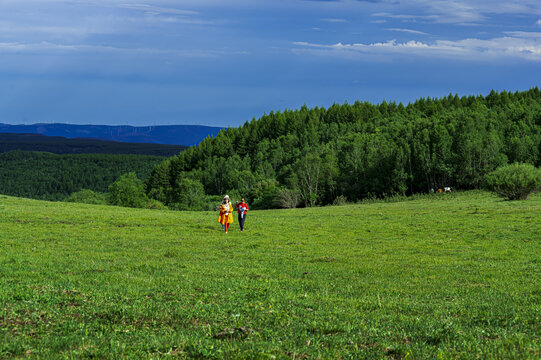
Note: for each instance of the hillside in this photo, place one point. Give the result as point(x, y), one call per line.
point(47, 176)
point(61, 145)
point(452, 276)
point(320, 156)
point(187, 135)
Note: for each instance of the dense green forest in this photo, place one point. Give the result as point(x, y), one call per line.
point(61, 145)
point(319, 156)
point(49, 176)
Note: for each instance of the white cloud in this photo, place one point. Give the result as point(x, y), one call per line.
point(47, 20)
point(538, 23)
point(58, 30)
point(410, 31)
point(49, 48)
point(156, 10)
point(516, 45)
point(459, 12)
point(334, 20)
point(450, 17)
point(406, 17)
point(524, 34)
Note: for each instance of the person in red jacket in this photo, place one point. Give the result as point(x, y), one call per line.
point(242, 209)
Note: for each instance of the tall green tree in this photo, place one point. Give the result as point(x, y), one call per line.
point(128, 191)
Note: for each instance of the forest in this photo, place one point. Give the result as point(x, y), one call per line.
point(47, 176)
point(350, 152)
point(62, 145)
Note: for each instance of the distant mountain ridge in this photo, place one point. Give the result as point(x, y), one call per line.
point(187, 135)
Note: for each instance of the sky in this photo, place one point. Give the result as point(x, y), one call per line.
point(222, 63)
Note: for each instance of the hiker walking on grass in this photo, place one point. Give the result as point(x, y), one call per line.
point(226, 214)
point(242, 209)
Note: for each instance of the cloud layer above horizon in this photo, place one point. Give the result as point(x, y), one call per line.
point(221, 63)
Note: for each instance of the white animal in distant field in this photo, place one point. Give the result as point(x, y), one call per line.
point(447, 189)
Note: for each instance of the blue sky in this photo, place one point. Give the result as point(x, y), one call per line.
point(221, 63)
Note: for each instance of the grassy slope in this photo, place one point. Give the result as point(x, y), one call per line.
point(457, 275)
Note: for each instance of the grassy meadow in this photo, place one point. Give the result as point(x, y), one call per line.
point(442, 276)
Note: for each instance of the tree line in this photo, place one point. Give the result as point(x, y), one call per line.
point(62, 145)
point(47, 176)
point(350, 152)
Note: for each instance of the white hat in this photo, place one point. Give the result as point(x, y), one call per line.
point(226, 197)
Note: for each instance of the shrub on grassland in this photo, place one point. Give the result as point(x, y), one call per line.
point(128, 191)
point(340, 200)
point(514, 181)
point(287, 199)
point(86, 196)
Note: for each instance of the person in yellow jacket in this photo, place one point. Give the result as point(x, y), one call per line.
point(226, 214)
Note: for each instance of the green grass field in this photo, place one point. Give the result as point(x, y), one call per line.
point(453, 276)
